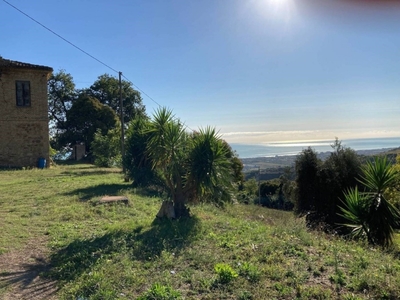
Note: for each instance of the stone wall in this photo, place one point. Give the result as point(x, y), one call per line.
point(24, 131)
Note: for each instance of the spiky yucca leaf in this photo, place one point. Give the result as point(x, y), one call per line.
point(378, 175)
point(355, 210)
point(370, 213)
point(210, 166)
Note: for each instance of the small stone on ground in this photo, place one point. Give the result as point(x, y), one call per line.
point(114, 199)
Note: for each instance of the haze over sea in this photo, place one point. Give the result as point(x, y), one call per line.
point(293, 148)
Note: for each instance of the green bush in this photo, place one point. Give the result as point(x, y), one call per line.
point(106, 148)
point(225, 273)
point(320, 184)
point(369, 213)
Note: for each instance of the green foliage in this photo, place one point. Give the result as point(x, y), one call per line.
point(61, 94)
point(52, 151)
point(251, 187)
point(106, 90)
point(307, 166)
point(268, 188)
point(321, 184)
point(250, 272)
point(392, 193)
point(106, 148)
point(71, 122)
point(160, 292)
point(337, 174)
point(225, 273)
point(378, 175)
point(119, 251)
point(189, 166)
point(369, 213)
point(86, 116)
point(275, 194)
point(137, 161)
point(355, 209)
point(210, 169)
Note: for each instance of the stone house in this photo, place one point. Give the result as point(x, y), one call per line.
point(24, 123)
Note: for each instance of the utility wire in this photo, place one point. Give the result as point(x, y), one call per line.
point(141, 91)
point(88, 54)
point(80, 49)
point(55, 33)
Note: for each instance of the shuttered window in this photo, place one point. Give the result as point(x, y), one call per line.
point(23, 93)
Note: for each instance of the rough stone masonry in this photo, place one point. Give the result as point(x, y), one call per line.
point(24, 129)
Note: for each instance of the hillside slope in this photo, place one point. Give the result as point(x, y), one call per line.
point(56, 243)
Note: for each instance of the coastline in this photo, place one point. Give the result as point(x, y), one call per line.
point(272, 149)
point(281, 161)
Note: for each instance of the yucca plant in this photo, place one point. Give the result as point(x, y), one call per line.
point(188, 165)
point(355, 210)
point(369, 213)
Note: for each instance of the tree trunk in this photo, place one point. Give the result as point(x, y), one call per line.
point(167, 210)
point(181, 210)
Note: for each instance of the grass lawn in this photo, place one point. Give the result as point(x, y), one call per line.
point(56, 243)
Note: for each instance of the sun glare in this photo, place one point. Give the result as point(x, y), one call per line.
point(282, 10)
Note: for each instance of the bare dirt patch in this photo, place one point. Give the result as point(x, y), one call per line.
point(20, 273)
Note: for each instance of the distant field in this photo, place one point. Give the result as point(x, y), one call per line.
point(57, 243)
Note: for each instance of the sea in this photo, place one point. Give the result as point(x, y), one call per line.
point(293, 148)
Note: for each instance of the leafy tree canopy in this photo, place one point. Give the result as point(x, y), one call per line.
point(84, 118)
point(61, 93)
point(106, 90)
point(320, 184)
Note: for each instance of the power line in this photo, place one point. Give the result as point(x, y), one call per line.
point(150, 97)
point(141, 91)
point(80, 49)
point(64, 39)
point(85, 52)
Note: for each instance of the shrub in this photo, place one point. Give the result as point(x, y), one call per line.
point(225, 273)
point(369, 213)
point(106, 148)
point(321, 184)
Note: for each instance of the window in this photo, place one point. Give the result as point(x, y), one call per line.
point(23, 93)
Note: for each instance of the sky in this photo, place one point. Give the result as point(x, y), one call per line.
point(258, 71)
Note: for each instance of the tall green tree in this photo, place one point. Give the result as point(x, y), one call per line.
point(61, 94)
point(320, 184)
point(307, 167)
point(86, 116)
point(338, 173)
point(191, 166)
point(106, 90)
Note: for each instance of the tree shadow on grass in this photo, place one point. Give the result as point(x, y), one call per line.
point(27, 281)
point(99, 190)
point(79, 256)
point(89, 173)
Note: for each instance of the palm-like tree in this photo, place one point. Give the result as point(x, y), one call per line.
point(370, 213)
point(191, 165)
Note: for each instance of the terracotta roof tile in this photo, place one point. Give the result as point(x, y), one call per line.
point(17, 64)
